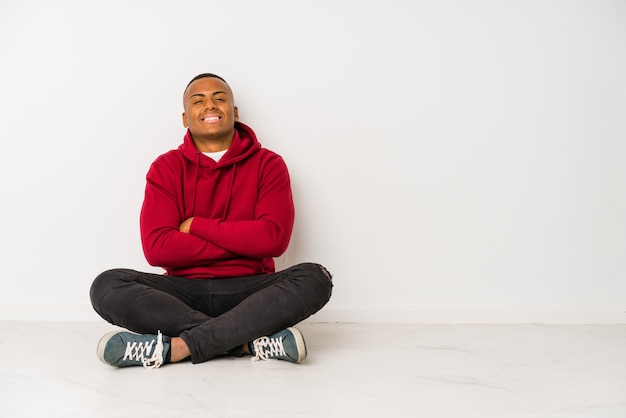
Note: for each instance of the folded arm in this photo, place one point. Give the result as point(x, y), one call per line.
point(268, 234)
point(163, 244)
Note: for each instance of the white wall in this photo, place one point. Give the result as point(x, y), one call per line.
point(452, 161)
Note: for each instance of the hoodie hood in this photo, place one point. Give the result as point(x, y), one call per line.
point(244, 144)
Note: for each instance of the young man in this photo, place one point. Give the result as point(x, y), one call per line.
point(215, 213)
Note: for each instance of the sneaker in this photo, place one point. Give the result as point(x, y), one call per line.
point(124, 349)
point(287, 344)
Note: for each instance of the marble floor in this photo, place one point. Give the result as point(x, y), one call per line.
point(50, 369)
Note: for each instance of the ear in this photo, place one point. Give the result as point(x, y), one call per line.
point(185, 124)
point(236, 114)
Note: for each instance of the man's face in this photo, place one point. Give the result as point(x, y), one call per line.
point(210, 111)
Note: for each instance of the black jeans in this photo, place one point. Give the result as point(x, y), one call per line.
point(212, 316)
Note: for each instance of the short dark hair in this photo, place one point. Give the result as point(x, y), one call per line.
point(204, 75)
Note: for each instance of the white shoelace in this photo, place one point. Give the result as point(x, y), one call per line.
point(265, 348)
point(138, 351)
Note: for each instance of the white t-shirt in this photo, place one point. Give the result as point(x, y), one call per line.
point(215, 155)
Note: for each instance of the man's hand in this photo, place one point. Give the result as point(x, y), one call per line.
point(186, 225)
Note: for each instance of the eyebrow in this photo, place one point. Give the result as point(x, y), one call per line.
point(212, 94)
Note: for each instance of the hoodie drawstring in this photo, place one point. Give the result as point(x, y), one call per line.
point(195, 187)
point(230, 192)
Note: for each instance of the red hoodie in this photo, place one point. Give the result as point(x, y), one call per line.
point(242, 207)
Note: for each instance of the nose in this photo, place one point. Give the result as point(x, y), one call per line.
point(210, 104)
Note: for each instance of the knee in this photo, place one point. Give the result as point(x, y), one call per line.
point(321, 277)
point(101, 285)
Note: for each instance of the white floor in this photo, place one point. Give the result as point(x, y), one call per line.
point(50, 369)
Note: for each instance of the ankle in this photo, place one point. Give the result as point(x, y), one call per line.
point(178, 350)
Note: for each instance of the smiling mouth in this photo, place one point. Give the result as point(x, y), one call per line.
point(211, 119)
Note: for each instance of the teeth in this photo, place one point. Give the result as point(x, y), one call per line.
point(211, 119)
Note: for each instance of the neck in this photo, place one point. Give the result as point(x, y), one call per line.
point(212, 145)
